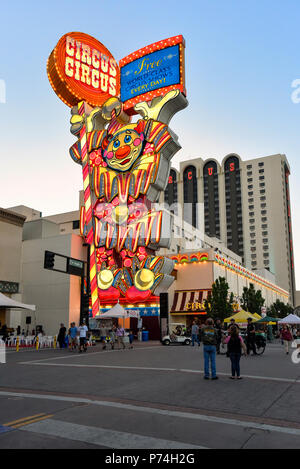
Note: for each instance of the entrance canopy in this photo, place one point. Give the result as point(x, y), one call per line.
point(189, 302)
point(6, 302)
point(290, 319)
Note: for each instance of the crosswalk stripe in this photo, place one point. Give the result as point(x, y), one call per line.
point(103, 436)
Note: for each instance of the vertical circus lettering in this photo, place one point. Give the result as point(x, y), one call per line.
point(231, 167)
point(210, 171)
point(190, 175)
point(170, 180)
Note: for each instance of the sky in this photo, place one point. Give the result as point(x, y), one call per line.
point(242, 58)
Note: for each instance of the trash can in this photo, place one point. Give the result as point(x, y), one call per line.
point(145, 336)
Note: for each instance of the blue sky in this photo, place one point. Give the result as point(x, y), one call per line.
point(241, 59)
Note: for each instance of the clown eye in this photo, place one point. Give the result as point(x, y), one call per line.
point(127, 139)
point(116, 144)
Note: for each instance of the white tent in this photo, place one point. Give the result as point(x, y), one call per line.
point(290, 319)
point(6, 302)
point(118, 311)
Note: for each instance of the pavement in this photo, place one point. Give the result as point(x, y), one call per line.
point(150, 397)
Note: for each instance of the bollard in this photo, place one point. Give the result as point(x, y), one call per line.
point(17, 344)
point(37, 343)
point(54, 342)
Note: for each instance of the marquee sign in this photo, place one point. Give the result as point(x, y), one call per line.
point(125, 165)
point(152, 71)
point(81, 68)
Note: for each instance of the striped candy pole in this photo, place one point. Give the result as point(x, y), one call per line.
point(88, 209)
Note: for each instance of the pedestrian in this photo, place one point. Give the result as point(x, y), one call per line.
point(250, 337)
point(298, 338)
point(232, 323)
point(120, 332)
point(195, 332)
point(82, 331)
point(61, 336)
point(218, 327)
point(19, 330)
point(287, 337)
point(235, 344)
point(103, 334)
point(73, 336)
point(209, 339)
point(131, 337)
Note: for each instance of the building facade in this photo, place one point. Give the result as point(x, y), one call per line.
point(243, 204)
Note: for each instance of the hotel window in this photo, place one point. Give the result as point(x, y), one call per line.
point(250, 193)
point(262, 184)
point(75, 224)
point(265, 240)
point(262, 191)
point(253, 256)
point(263, 205)
point(252, 220)
point(264, 226)
point(265, 248)
point(263, 197)
point(249, 173)
point(260, 164)
point(250, 186)
point(266, 262)
point(250, 180)
point(250, 201)
point(264, 212)
point(261, 178)
point(261, 171)
point(265, 233)
point(264, 219)
point(251, 207)
point(249, 166)
point(251, 214)
point(252, 227)
point(252, 235)
point(266, 254)
point(253, 249)
point(252, 242)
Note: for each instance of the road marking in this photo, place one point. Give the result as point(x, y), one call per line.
point(8, 424)
point(104, 436)
point(144, 368)
point(156, 411)
point(83, 355)
point(32, 421)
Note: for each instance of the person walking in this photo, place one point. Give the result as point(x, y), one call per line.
point(250, 337)
point(287, 337)
point(195, 332)
point(82, 330)
point(235, 344)
point(209, 339)
point(61, 336)
point(120, 332)
point(218, 327)
point(103, 334)
point(73, 336)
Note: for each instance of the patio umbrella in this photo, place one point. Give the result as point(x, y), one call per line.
point(290, 319)
point(241, 317)
point(267, 319)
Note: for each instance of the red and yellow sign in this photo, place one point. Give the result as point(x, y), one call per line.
point(81, 68)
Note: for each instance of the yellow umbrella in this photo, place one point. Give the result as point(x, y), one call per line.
point(241, 316)
point(257, 316)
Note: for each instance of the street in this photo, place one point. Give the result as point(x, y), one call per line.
point(149, 397)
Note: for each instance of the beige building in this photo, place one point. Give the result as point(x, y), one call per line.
point(11, 228)
point(243, 204)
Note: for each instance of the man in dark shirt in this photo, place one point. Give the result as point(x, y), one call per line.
point(250, 337)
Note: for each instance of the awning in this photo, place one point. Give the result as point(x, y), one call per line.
point(6, 302)
point(189, 302)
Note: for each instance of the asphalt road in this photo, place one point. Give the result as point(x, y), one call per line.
point(149, 397)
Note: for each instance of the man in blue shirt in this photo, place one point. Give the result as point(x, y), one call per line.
point(73, 336)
